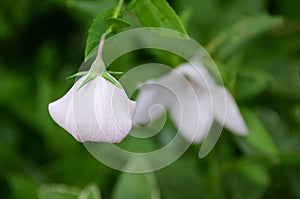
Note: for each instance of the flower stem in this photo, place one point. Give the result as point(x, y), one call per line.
point(118, 8)
point(98, 65)
point(100, 47)
point(116, 13)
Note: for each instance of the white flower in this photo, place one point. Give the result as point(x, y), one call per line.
point(193, 99)
point(96, 110)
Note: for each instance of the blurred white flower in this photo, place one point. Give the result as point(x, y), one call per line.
point(193, 99)
point(95, 109)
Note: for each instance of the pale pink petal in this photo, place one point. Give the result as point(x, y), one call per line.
point(98, 111)
point(151, 95)
point(114, 111)
point(87, 112)
point(202, 81)
point(155, 96)
point(190, 110)
point(226, 111)
point(62, 111)
point(192, 115)
point(197, 74)
point(84, 111)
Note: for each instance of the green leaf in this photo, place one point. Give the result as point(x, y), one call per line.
point(136, 186)
point(238, 35)
point(158, 13)
point(130, 5)
point(117, 23)
point(295, 112)
point(242, 183)
point(258, 138)
point(111, 79)
point(78, 74)
point(92, 7)
point(254, 172)
point(286, 82)
point(90, 192)
point(22, 186)
point(100, 25)
point(251, 83)
point(179, 179)
point(58, 191)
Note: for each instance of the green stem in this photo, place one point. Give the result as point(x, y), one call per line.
point(117, 11)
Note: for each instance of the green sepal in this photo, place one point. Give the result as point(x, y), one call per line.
point(115, 72)
point(111, 79)
point(78, 74)
point(88, 79)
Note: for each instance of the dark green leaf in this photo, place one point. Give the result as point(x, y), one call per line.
point(180, 179)
point(22, 186)
point(100, 25)
point(130, 5)
point(158, 13)
point(258, 137)
point(254, 172)
point(236, 36)
point(251, 83)
point(92, 7)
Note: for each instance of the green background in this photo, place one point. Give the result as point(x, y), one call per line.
point(256, 45)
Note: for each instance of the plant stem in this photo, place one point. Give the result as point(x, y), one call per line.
point(116, 14)
point(118, 8)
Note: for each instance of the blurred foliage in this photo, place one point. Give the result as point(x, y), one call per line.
point(256, 46)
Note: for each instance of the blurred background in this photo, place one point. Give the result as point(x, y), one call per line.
point(256, 45)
